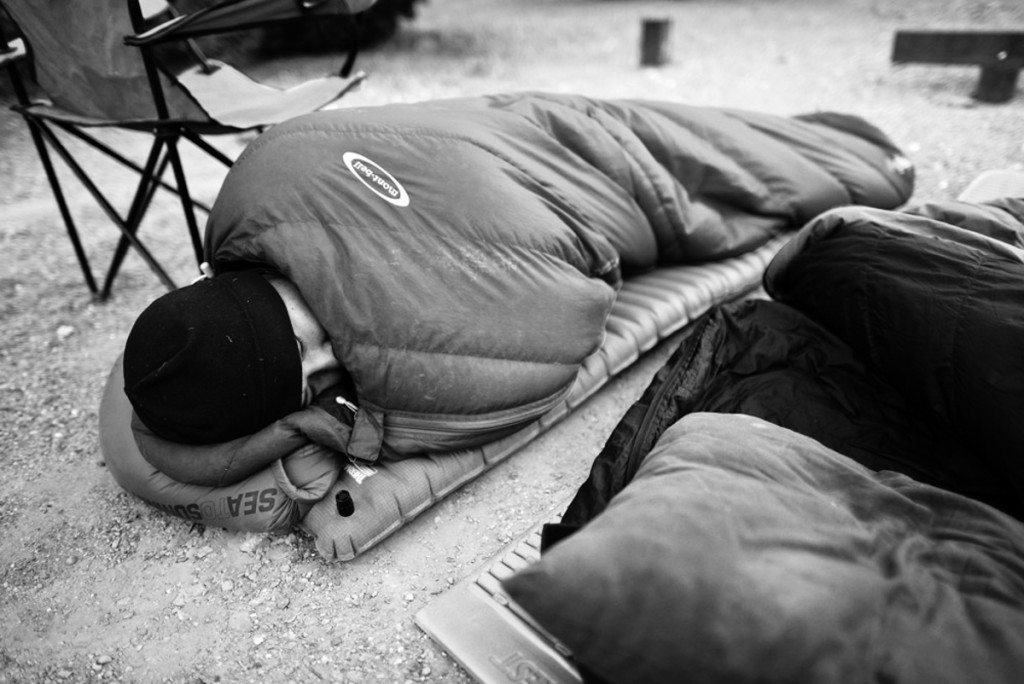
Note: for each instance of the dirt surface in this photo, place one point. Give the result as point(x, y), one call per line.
point(97, 586)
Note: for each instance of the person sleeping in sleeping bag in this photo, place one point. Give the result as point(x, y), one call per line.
point(461, 257)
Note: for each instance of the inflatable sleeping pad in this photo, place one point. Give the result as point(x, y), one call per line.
point(348, 507)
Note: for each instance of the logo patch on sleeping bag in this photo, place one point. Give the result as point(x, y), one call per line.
point(382, 183)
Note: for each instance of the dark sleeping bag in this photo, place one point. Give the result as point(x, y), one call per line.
point(747, 553)
point(896, 338)
point(825, 488)
point(463, 255)
point(767, 359)
point(933, 300)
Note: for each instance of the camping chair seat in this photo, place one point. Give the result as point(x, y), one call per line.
point(234, 100)
point(231, 102)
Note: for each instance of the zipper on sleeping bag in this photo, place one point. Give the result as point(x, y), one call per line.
point(433, 428)
point(653, 423)
point(342, 401)
point(634, 436)
point(379, 432)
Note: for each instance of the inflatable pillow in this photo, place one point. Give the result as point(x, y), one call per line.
point(272, 499)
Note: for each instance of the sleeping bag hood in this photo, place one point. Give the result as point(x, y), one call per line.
point(463, 255)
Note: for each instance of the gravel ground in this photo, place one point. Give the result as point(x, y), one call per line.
point(96, 586)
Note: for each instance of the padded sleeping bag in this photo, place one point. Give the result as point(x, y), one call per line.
point(464, 255)
point(766, 359)
point(823, 488)
point(747, 553)
point(933, 300)
point(895, 339)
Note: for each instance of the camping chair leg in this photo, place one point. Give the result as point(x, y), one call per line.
point(109, 209)
point(155, 166)
point(123, 243)
point(186, 199)
point(202, 144)
point(187, 204)
point(62, 205)
point(142, 201)
point(124, 161)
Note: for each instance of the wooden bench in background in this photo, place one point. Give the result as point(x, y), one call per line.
point(1000, 54)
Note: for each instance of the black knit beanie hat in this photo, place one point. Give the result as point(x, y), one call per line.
point(213, 361)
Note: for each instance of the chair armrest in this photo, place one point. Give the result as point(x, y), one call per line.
point(234, 15)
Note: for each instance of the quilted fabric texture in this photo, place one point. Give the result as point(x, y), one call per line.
point(648, 309)
point(933, 300)
point(745, 552)
point(463, 254)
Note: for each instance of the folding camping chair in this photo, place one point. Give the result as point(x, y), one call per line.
point(106, 64)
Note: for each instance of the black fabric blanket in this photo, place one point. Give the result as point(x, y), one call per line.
point(825, 487)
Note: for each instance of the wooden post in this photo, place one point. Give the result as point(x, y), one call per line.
point(654, 42)
point(996, 84)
